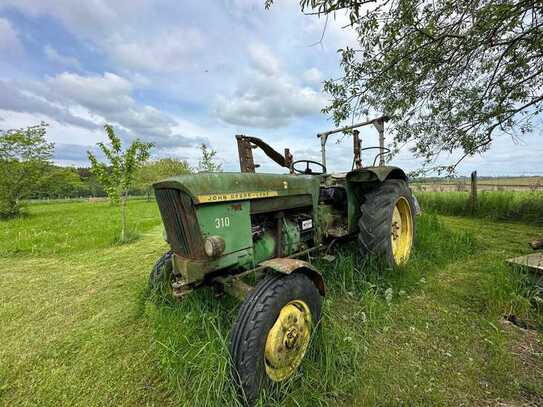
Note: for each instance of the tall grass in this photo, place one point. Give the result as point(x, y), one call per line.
point(191, 337)
point(494, 205)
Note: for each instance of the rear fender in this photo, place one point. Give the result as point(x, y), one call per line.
point(356, 183)
point(372, 174)
point(287, 266)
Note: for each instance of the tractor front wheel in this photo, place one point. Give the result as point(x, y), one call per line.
point(272, 332)
point(387, 222)
point(161, 275)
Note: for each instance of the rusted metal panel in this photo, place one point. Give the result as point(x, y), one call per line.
point(283, 161)
point(236, 287)
point(245, 151)
point(180, 223)
point(287, 265)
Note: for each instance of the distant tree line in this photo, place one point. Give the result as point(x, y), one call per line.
point(27, 171)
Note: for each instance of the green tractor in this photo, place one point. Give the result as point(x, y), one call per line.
point(222, 227)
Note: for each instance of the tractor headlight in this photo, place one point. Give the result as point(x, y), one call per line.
point(214, 246)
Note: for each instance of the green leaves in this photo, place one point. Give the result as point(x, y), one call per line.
point(157, 170)
point(118, 175)
point(451, 75)
point(208, 161)
point(24, 158)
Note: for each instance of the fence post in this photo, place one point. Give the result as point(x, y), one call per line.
point(473, 194)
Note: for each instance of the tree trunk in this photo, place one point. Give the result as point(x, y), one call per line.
point(123, 217)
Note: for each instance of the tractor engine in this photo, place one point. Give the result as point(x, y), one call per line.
point(280, 234)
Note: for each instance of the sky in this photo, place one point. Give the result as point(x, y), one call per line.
point(179, 74)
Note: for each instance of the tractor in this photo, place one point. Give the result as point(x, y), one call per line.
point(224, 227)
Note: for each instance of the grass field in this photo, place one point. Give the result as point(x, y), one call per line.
point(79, 327)
point(71, 227)
point(494, 205)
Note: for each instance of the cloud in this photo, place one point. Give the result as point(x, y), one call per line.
point(312, 75)
point(110, 97)
point(263, 59)
point(105, 93)
point(266, 98)
point(98, 99)
point(72, 152)
point(9, 40)
point(169, 51)
point(89, 19)
point(14, 99)
point(56, 57)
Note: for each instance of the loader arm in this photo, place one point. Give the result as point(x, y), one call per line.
point(245, 149)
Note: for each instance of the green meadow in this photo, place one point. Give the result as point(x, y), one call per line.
point(79, 327)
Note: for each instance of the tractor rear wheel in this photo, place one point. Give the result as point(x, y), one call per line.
point(272, 332)
point(387, 222)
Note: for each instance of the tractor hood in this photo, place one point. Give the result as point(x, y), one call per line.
point(233, 186)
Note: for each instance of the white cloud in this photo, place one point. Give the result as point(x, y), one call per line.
point(312, 75)
point(96, 99)
point(268, 102)
point(169, 51)
point(9, 40)
point(121, 30)
point(54, 56)
point(263, 59)
point(265, 97)
point(89, 18)
point(101, 93)
point(13, 97)
point(332, 33)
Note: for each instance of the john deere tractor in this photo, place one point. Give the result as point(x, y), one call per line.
point(222, 227)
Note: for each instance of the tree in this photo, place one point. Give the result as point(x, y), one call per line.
point(91, 182)
point(118, 176)
point(60, 182)
point(208, 161)
point(24, 155)
point(451, 75)
point(154, 171)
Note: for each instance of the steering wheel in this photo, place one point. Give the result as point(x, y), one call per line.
point(308, 171)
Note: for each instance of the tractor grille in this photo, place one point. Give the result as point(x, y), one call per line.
point(179, 218)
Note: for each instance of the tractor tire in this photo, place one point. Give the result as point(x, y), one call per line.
point(272, 332)
point(387, 222)
point(160, 277)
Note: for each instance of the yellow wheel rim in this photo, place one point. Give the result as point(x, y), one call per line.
point(288, 340)
point(401, 231)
